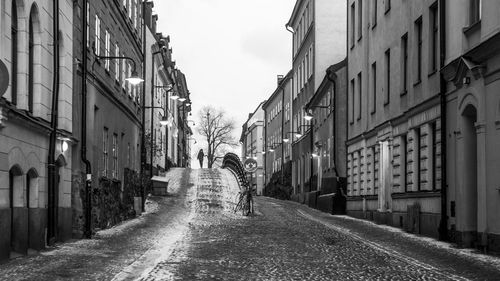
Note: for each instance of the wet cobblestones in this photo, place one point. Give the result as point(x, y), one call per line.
point(195, 235)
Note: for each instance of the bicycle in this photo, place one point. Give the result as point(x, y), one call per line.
point(245, 203)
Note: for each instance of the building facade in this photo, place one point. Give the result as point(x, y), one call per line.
point(183, 106)
point(252, 138)
point(35, 125)
point(328, 108)
point(472, 83)
point(278, 133)
point(107, 150)
point(158, 84)
point(394, 114)
point(318, 42)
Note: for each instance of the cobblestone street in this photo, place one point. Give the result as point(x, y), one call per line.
point(194, 235)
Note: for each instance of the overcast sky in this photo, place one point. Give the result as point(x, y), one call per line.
point(229, 50)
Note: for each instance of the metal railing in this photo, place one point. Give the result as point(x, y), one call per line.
point(233, 163)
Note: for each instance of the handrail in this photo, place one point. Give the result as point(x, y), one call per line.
point(232, 162)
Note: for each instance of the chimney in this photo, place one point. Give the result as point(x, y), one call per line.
point(280, 78)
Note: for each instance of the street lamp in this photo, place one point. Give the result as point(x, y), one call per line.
point(164, 121)
point(297, 135)
point(309, 115)
point(134, 79)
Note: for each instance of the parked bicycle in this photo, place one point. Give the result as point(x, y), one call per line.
point(245, 202)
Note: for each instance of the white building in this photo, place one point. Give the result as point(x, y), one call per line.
point(33, 214)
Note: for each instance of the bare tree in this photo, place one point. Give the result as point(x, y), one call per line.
point(218, 132)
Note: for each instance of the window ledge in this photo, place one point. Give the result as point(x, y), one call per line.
point(432, 73)
point(352, 46)
point(404, 92)
point(417, 82)
point(387, 11)
point(472, 28)
point(359, 38)
point(386, 103)
point(373, 112)
point(374, 25)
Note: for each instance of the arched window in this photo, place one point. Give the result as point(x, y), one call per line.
point(14, 27)
point(31, 56)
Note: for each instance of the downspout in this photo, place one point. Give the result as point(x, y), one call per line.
point(265, 150)
point(52, 226)
point(443, 225)
point(88, 167)
point(143, 106)
point(282, 135)
point(152, 139)
point(328, 73)
point(290, 29)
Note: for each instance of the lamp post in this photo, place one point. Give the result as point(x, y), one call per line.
point(309, 117)
point(134, 78)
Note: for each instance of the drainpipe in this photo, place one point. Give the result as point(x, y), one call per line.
point(282, 135)
point(86, 162)
point(443, 225)
point(143, 104)
point(328, 73)
point(52, 216)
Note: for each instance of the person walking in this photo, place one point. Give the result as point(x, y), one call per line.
point(200, 157)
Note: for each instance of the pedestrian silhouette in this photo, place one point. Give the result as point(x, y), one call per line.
point(200, 157)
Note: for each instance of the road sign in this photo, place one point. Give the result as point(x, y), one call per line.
point(4, 78)
point(250, 165)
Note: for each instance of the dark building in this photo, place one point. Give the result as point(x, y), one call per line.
point(107, 111)
point(328, 108)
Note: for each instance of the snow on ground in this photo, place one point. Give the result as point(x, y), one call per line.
point(467, 252)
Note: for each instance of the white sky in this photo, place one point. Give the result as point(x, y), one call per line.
point(229, 50)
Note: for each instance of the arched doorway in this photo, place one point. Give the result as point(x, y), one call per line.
point(35, 221)
point(469, 175)
point(18, 212)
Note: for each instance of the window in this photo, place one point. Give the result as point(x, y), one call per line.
point(418, 32)
point(387, 5)
point(475, 11)
point(353, 22)
point(308, 73)
point(97, 35)
point(115, 156)
point(311, 59)
point(31, 58)
point(360, 19)
point(88, 24)
point(404, 63)
point(134, 13)
point(374, 13)
point(13, 88)
point(404, 163)
point(434, 37)
point(360, 82)
point(130, 8)
point(129, 73)
point(105, 143)
point(351, 108)
point(433, 156)
point(387, 76)
point(107, 48)
point(416, 161)
point(124, 73)
point(374, 87)
point(117, 63)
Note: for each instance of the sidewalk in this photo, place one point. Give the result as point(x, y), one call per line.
point(425, 251)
